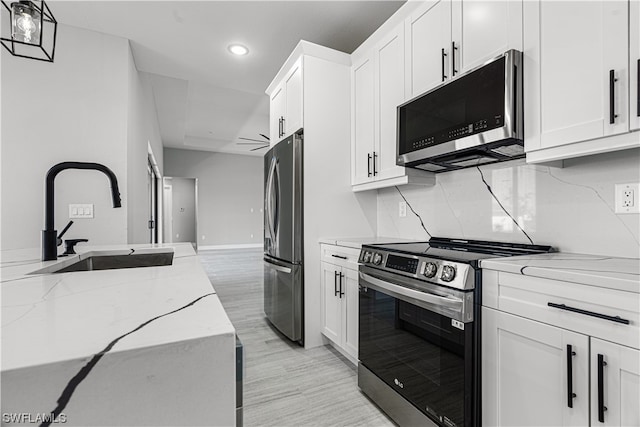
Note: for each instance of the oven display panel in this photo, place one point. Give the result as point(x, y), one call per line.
point(409, 265)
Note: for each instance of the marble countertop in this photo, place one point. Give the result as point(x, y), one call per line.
point(48, 318)
point(602, 271)
point(357, 242)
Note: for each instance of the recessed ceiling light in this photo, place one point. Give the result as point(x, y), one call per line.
point(238, 49)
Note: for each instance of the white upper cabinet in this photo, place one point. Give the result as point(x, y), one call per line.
point(377, 88)
point(389, 93)
point(482, 30)
point(363, 116)
point(276, 113)
point(576, 72)
point(448, 37)
point(634, 62)
point(286, 105)
point(428, 45)
point(293, 92)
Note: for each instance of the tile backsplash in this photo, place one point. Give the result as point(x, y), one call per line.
point(570, 208)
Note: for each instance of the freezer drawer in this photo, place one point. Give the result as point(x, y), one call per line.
point(283, 296)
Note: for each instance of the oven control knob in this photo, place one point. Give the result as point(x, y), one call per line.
point(430, 269)
point(377, 258)
point(448, 273)
point(366, 257)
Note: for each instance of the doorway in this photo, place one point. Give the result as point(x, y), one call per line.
point(180, 197)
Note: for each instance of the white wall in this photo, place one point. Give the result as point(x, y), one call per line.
point(90, 105)
point(143, 130)
point(571, 209)
point(230, 194)
point(74, 109)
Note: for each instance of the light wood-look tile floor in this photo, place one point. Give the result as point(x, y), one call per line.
point(284, 384)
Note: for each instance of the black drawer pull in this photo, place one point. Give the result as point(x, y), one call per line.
point(638, 87)
point(453, 58)
point(616, 319)
point(368, 164)
point(570, 394)
point(375, 156)
point(612, 99)
point(338, 256)
point(601, 407)
point(444, 55)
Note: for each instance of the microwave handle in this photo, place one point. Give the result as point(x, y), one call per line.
point(400, 291)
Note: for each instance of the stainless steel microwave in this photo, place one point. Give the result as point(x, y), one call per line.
point(472, 120)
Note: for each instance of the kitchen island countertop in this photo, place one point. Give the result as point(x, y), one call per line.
point(150, 337)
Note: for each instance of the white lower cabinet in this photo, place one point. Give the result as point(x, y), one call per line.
point(527, 375)
point(615, 369)
point(340, 302)
point(558, 353)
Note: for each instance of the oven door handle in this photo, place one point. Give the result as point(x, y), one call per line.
point(399, 291)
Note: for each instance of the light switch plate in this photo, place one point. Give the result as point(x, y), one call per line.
point(78, 211)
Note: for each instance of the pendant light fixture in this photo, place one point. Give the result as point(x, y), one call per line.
point(31, 30)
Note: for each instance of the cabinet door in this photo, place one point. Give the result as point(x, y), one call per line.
point(571, 50)
point(276, 113)
point(525, 373)
point(483, 29)
point(331, 303)
point(428, 33)
point(634, 62)
point(350, 302)
point(615, 369)
point(389, 91)
point(294, 99)
point(362, 139)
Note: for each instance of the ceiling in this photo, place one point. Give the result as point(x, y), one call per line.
point(206, 98)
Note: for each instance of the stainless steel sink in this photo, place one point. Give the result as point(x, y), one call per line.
point(101, 260)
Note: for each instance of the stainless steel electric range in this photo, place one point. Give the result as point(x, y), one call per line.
point(419, 321)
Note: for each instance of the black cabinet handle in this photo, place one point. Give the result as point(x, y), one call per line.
point(279, 127)
point(368, 164)
point(444, 55)
point(601, 407)
point(283, 130)
point(453, 58)
point(374, 164)
point(612, 98)
point(338, 256)
point(638, 88)
point(341, 292)
point(570, 394)
point(616, 319)
point(335, 283)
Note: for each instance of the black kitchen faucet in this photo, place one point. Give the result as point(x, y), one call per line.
point(49, 234)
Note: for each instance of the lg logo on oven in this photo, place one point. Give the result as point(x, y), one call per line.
point(398, 383)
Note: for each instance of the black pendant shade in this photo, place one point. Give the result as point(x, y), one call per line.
point(29, 29)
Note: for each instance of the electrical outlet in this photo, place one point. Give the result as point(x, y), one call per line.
point(402, 209)
point(626, 200)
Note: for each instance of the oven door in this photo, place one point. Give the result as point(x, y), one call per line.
point(409, 340)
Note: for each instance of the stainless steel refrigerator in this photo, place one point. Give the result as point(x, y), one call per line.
point(283, 250)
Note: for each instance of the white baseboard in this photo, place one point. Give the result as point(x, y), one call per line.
point(238, 246)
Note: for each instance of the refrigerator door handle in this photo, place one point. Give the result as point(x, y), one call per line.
point(269, 201)
point(277, 267)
